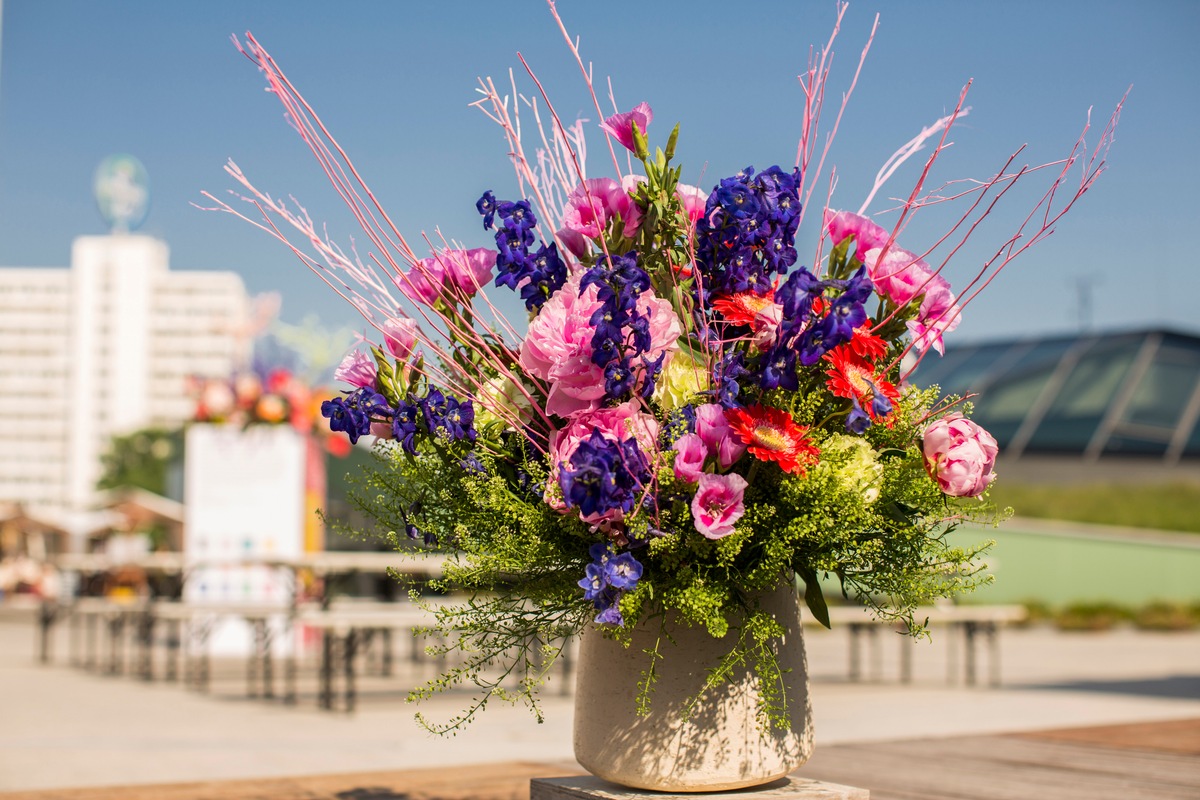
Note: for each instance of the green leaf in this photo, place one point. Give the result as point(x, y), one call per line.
point(813, 596)
point(892, 452)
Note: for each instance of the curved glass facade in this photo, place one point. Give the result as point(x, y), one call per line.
point(1132, 393)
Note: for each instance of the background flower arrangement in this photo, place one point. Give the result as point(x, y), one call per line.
point(692, 416)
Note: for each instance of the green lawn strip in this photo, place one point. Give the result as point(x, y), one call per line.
point(1171, 507)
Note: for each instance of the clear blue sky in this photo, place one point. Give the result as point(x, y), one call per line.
point(81, 79)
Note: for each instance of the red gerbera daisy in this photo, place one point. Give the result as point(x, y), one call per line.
point(867, 345)
point(854, 379)
point(771, 434)
point(743, 308)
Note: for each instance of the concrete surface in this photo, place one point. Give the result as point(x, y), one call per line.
point(62, 727)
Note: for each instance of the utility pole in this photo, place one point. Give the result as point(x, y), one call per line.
point(1083, 294)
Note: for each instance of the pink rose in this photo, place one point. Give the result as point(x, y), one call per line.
point(718, 504)
point(690, 453)
point(713, 429)
point(959, 455)
point(620, 126)
point(867, 235)
point(400, 336)
point(357, 369)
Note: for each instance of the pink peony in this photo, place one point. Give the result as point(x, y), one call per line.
point(558, 347)
point(692, 200)
point(357, 369)
point(596, 202)
point(713, 429)
point(959, 455)
point(718, 504)
point(400, 336)
point(690, 453)
point(867, 235)
point(620, 126)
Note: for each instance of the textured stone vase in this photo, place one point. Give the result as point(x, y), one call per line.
point(720, 746)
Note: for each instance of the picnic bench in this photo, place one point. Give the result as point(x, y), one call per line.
point(965, 624)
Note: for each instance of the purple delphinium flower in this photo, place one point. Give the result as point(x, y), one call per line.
point(346, 418)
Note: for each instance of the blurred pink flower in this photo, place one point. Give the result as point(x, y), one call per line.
point(959, 455)
point(620, 126)
point(718, 504)
point(357, 369)
point(689, 459)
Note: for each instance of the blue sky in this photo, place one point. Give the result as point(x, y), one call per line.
point(81, 79)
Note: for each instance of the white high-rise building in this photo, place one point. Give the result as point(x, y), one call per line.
point(104, 347)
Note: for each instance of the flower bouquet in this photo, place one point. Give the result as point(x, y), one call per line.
point(695, 415)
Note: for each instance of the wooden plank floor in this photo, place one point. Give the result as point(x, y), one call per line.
point(1158, 760)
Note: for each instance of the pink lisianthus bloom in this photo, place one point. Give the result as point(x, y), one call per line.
point(718, 504)
point(469, 270)
point(400, 336)
point(693, 200)
point(620, 126)
point(844, 224)
point(938, 314)
point(690, 453)
point(597, 201)
point(423, 283)
point(464, 270)
point(713, 429)
point(899, 275)
point(357, 369)
point(959, 455)
point(766, 326)
point(617, 424)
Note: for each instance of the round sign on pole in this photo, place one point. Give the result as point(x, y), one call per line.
point(122, 192)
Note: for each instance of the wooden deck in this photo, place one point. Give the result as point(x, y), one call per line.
point(1158, 760)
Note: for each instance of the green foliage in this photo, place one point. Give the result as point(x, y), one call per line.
point(140, 459)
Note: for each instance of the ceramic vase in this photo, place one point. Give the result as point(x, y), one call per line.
point(720, 745)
